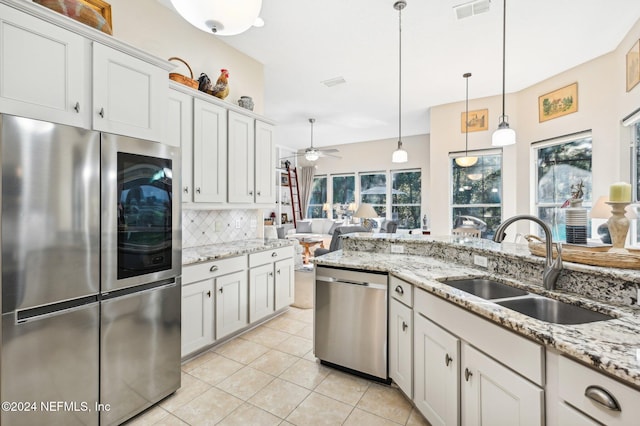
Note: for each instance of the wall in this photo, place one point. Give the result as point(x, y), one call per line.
point(149, 26)
point(375, 156)
point(602, 103)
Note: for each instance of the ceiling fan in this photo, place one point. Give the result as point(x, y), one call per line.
point(312, 153)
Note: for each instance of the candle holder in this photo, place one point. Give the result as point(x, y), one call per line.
point(618, 226)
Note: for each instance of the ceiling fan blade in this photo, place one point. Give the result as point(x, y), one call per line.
point(324, 154)
point(329, 150)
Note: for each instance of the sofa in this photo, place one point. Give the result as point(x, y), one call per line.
point(315, 228)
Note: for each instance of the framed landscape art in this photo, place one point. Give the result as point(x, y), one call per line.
point(560, 102)
point(478, 120)
point(633, 66)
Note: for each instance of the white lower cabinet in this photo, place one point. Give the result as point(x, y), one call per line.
point(436, 372)
point(197, 316)
point(231, 303)
point(491, 394)
point(401, 346)
point(261, 292)
point(284, 283)
point(271, 282)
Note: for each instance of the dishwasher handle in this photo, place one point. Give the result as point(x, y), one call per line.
point(350, 282)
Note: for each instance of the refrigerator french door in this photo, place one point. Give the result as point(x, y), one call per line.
point(50, 272)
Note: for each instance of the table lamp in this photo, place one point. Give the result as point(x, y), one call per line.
point(365, 212)
point(326, 207)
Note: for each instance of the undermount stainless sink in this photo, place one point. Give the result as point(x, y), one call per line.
point(487, 289)
point(553, 311)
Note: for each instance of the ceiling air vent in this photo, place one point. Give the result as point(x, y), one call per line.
point(471, 8)
point(334, 81)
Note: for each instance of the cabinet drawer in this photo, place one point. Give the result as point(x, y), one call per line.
point(516, 352)
point(401, 291)
point(268, 256)
point(573, 381)
point(203, 271)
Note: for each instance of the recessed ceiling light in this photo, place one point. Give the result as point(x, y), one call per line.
point(334, 81)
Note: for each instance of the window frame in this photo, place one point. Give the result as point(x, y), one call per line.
point(391, 204)
point(323, 213)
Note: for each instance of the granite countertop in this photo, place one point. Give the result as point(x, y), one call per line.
point(612, 346)
point(234, 248)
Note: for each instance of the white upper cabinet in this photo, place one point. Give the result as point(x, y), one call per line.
point(129, 95)
point(179, 133)
point(241, 158)
point(209, 152)
point(44, 72)
point(265, 163)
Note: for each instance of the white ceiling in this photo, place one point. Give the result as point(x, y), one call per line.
point(305, 42)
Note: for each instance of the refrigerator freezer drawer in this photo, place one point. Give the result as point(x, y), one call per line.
point(139, 351)
point(51, 360)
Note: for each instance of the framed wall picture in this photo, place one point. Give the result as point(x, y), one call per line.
point(95, 13)
point(478, 120)
point(284, 218)
point(560, 102)
point(633, 66)
point(284, 179)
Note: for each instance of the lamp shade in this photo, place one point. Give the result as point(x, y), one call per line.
point(220, 17)
point(352, 207)
point(601, 210)
point(504, 135)
point(365, 211)
point(466, 161)
point(326, 207)
point(399, 155)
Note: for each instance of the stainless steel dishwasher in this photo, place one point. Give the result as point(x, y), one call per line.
point(350, 322)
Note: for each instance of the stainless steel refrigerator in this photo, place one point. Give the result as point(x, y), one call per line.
point(90, 240)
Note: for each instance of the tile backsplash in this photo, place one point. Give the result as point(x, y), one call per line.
point(203, 227)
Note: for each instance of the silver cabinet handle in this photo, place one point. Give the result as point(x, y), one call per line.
point(76, 107)
point(214, 268)
point(467, 374)
point(186, 189)
point(603, 397)
point(197, 190)
point(209, 293)
point(101, 112)
point(399, 290)
point(447, 359)
point(274, 254)
point(404, 326)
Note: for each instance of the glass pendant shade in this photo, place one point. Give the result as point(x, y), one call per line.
point(311, 155)
point(504, 135)
point(466, 161)
point(399, 155)
point(220, 17)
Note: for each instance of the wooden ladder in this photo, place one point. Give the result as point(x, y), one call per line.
point(294, 190)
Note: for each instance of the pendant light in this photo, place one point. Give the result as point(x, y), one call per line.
point(466, 161)
point(504, 135)
point(220, 17)
point(400, 155)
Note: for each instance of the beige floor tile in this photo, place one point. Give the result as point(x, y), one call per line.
point(318, 409)
point(304, 315)
point(387, 402)
point(245, 383)
point(306, 332)
point(360, 417)
point(280, 397)
point(171, 420)
point(209, 408)
point(241, 350)
point(296, 345)
point(196, 362)
point(216, 369)
point(148, 417)
point(190, 388)
point(274, 362)
point(416, 419)
point(305, 373)
point(343, 387)
point(266, 336)
point(248, 414)
point(310, 356)
point(287, 325)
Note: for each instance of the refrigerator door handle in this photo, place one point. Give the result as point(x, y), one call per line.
point(47, 311)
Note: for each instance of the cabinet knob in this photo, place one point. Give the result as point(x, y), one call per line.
point(467, 374)
point(185, 189)
point(447, 359)
point(259, 193)
point(209, 293)
point(270, 274)
point(214, 268)
point(76, 107)
point(221, 290)
point(101, 112)
point(278, 271)
point(197, 190)
point(274, 254)
point(602, 397)
point(399, 290)
point(250, 192)
point(404, 326)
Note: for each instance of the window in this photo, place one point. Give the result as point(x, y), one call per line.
point(477, 191)
point(560, 164)
point(406, 198)
point(318, 197)
point(343, 194)
point(373, 190)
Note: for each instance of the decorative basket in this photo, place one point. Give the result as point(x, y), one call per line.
point(179, 78)
point(595, 256)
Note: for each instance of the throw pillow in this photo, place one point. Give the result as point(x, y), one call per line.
point(303, 227)
point(333, 227)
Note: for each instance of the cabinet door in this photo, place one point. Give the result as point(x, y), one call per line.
point(231, 303)
point(129, 95)
point(436, 372)
point(43, 70)
point(241, 158)
point(265, 163)
point(180, 133)
point(209, 152)
point(197, 316)
point(401, 346)
point(260, 292)
point(284, 283)
point(567, 415)
point(494, 395)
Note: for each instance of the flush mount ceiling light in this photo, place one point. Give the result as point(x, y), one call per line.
point(504, 135)
point(400, 155)
point(220, 17)
point(466, 161)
